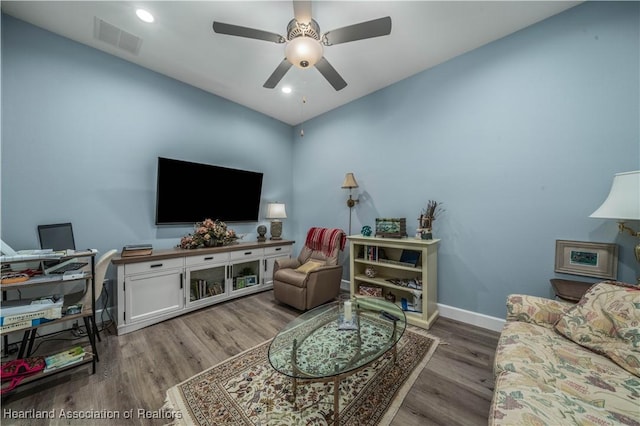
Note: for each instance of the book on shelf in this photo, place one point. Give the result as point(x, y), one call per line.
point(137, 250)
point(203, 288)
point(64, 358)
point(217, 288)
point(370, 252)
point(195, 289)
point(15, 326)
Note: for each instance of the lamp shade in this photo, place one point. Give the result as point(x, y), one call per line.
point(276, 211)
point(623, 202)
point(349, 181)
point(303, 52)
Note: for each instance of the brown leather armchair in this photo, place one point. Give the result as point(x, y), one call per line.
point(313, 278)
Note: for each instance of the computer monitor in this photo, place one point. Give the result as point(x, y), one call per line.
point(57, 236)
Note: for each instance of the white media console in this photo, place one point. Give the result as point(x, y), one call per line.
point(172, 282)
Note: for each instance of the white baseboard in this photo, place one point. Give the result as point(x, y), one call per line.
point(472, 318)
point(110, 310)
point(451, 312)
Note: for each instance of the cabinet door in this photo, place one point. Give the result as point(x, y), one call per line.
point(268, 264)
point(206, 283)
point(272, 254)
point(246, 275)
point(153, 295)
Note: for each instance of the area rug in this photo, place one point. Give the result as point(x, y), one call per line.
point(246, 390)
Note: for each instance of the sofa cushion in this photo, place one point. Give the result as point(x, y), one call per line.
point(310, 265)
point(548, 357)
point(535, 310)
point(291, 276)
point(523, 400)
point(607, 321)
point(307, 254)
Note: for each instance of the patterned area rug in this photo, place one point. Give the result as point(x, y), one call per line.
point(246, 390)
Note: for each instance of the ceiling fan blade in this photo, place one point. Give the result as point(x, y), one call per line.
point(236, 30)
point(330, 73)
point(302, 11)
point(376, 28)
point(277, 75)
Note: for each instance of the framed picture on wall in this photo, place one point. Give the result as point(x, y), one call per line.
point(598, 260)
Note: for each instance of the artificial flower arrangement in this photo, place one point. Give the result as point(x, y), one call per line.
point(209, 233)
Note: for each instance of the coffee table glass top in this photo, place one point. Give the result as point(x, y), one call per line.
point(314, 346)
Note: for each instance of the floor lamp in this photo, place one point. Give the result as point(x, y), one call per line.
point(350, 183)
point(623, 203)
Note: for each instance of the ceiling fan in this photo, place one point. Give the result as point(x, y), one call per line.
point(304, 42)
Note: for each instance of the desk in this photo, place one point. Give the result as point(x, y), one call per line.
point(568, 290)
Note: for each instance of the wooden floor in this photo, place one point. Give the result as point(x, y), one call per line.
point(136, 369)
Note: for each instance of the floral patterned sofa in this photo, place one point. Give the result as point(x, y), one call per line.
point(559, 363)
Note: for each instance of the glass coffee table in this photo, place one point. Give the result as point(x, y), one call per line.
point(320, 346)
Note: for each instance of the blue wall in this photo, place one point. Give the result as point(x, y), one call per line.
point(82, 130)
point(519, 139)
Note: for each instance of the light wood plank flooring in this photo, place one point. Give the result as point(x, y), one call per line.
point(136, 369)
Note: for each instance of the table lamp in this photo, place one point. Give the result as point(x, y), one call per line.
point(276, 211)
point(623, 203)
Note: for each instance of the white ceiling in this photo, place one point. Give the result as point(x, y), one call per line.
point(181, 43)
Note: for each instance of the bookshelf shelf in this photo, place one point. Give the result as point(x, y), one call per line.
point(88, 359)
point(85, 313)
point(29, 327)
point(397, 265)
point(411, 263)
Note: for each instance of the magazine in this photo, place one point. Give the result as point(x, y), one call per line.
point(64, 358)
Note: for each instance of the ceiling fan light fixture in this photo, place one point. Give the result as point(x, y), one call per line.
point(303, 52)
point(145, 16)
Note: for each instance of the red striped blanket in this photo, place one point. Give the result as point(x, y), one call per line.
point(326, 239)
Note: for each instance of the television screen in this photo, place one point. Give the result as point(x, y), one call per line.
point(191, 192)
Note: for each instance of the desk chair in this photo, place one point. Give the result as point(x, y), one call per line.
point(85, 298)
point(101, 271)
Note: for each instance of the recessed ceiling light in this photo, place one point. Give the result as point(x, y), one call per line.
point(286, 89)
point(144, 15)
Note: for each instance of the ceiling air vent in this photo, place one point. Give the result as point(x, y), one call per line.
point(115, 36)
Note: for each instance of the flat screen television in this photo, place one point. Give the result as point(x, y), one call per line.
point(191, 192)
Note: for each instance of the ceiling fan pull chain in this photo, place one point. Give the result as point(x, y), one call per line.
point(304, 101)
